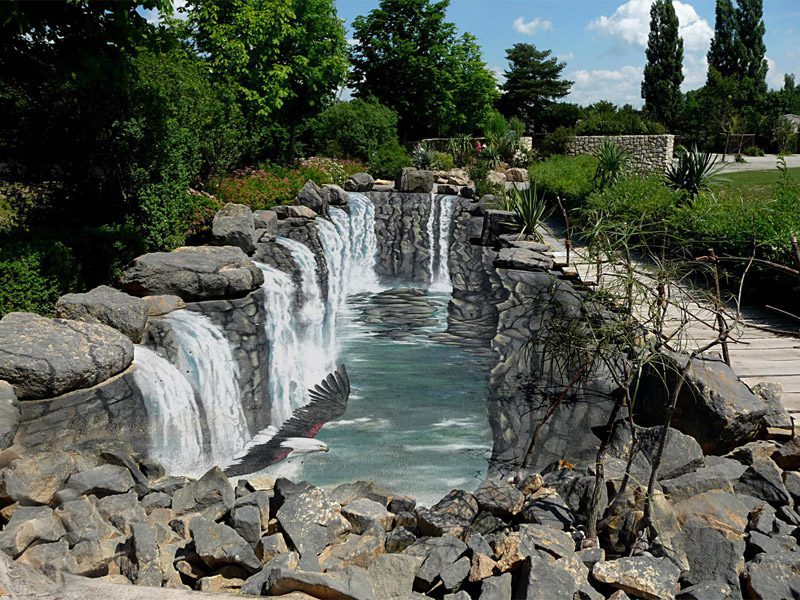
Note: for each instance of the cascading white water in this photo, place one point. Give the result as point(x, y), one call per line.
point(363, 245)
point(175, 427)
point(206, 360)
point(287, 383)
point(438, 226)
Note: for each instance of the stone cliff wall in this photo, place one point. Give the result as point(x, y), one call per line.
point(649, 153)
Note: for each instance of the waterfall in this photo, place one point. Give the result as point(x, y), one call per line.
point(176, 431)
point(206, 360)
point(441, 214)
point(287, 383)
point(363, 245)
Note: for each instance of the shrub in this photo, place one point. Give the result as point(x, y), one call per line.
point(445, 161)
point(558, 142)
point(693, 172)
point(355, 129)
point(424, 158)
point(479, 173)
point(568, 177)
point(531, 211)
point(388, 160)
point(753, 151)
point(612, 164)
point(643, 200)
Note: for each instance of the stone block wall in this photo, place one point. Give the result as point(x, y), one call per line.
point(649, 153)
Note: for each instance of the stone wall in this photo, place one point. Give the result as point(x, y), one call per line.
point(649, 153)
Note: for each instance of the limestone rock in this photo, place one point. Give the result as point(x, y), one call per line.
point(234, 226)
point(496, 588)
point(193, 273)
point(221, 584)
point(30, 525)
point(772, 576)
point(44, 357)
point(499, 498)
point(482, 567)
point(211, 496)
point(415, 181)
point(9, 414)
point(496, 178)
point(364, 514)
point(393, 576)
point(644, 576)
point(294, 212)
point(219, 545)
point(311, 521)
point(540, 580)
point(516, 175)
point(335, 195)
point(763, 480)
point(162, 304)
point(359, 182)
point(350, 584)
point(266, 220)
point(312, 196)
point(101, 481)
point(35, 479)
point(54, 560)
point(125, 313)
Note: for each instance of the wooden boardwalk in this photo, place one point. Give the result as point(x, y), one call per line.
point(757, 350)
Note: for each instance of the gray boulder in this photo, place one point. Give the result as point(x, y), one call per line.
point(415, 181)
point(218, 545)
point(30, 525)
point(145, 555)
point(453, 514)
point(211, 496)
point(399, 539)
point(312, 196)
point(193, 273)
point(246, 520)
point(54, 560)
point(643, 576)
point(517, 175)
point(9, 414)
point(523, 260)
point(725, 563)
point(108, 306)
point(44, 357)
point(364, 514)
point(335, 195)
point(708, 590)
point(266, 220)
point(359, 182)
point(289, 212)
point(162, 304)
point(496, 588)
point(438, 553)
point(772, 576)
point(499, 498)
point(83, 522)
point(311, 521)
point(454, 575)
point(546, 539)
point(539, 580)
point(763, 480)
point(722, 475)
point(352, 583)
point(392, 575)
point(102, 481)
point(234, 226)
point(32, 480)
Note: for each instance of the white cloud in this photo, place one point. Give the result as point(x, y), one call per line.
point(631, 23)
point(499, 74)
point(621, 86)
point(532, 26)
point(352, 42)
point(566, 57)
point(774, 74)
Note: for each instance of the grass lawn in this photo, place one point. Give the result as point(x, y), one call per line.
point(749, 179)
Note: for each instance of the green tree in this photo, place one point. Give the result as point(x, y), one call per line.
point(533, 82)
point(355, 129)
point(663, 73)
point(409, 57)
point(750, 53)
point(722, 54)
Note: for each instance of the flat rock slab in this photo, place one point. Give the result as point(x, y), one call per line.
point(44, 357)
point(193, 273)
point(644, 576)
point(125, 313)
point(311, 521)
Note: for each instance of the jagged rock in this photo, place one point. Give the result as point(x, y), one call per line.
point(393, 575)
point(30, 525)
point(125, 313)
point(54, 560)
point(335, 195)
point(345, 493)
point(219, 545)
point(311, 521)
point(234, 226)
point(266, 220)
point(220, 584)
point(722, 511)
point(753, 452)
point(554, 542)
point(162, 304)
point(399, 539)
point(762, 519)
point(352, 583)
point(288, 211)
point(211, 496)
point(482, 567)
point(580, 577)
point(547, 508)
point(496, 178)
point(312, 196)
point(156, 500)
point(517, 175)
point(539, 580)
point(789, 515)
point(193, 273)
point(643, 576)
point(259, 499)
point(708, 590)
point(36, 479)
point(791, 481)
point(355, 550)
point(9, 414)
point(438, 554)
point(576, 494)
point(454, 575)
point(682, 454)
point(763, 480)
point(44, 357)
point(405, 519)
point(359, 182)
point(169, 485)
point(714, 407)
point(772, 576)
point(447, 189)
point(122, 510)
point(787, 456)
point(496, 588)
point(246, 521)
point(452, 514)
point(271, 546)
point(401, 504)
point(101, 481)
point(83, 522)
point(724, 563)
point(415, 181)
point(364, 514)
point(499, 498)
point(145, 554)
point(721, 475)
point(524, 260)
point(758, 542)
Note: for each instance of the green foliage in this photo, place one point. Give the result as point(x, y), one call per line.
point(462, 148)
point(445, 161)
point(753, 151)
point(784, 137)
point(641, 200)
point(604, 118)
point(533, 81)
point(389, 160)
point(721, 53)
point(412, 60)
point(424, 158)
point(570, 178)
point(693, 172)
point(479, 173)
point(663, 73)
point(503, 137)
point(612, 164)
point(530, 209)
point(558, 142)
point(355, 129)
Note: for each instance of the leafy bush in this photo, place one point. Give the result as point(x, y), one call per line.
point(388, 160)
point(445, 161)
point(479, 173)
point(643, 200)
point(604, 118)
point(558, 142)
point(753, 151)
point(354, 129)
point(568, 177)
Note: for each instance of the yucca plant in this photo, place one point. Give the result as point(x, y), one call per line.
point(612, 164)
point(693, 171)
point(531, 211)
point(424, 158)
point(462, 149)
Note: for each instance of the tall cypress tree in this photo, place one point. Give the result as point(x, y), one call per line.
point(663, 74)
point(722, 53)
point(750, 50)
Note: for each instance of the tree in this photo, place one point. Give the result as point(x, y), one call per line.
point(750, 50)
point(355, 129)
point(721, 54)
point(409, 58)
point(663, 74)
point(532, 83)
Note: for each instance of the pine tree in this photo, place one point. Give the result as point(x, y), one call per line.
point(663, 74)
point(722, 53)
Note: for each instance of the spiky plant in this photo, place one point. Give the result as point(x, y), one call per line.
point(693, 171)
point(424, 158)
point(531, 211)
point(612, 164)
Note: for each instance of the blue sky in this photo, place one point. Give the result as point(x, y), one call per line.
point(603, 41)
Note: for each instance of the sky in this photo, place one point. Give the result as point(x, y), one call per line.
point(603, 41)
